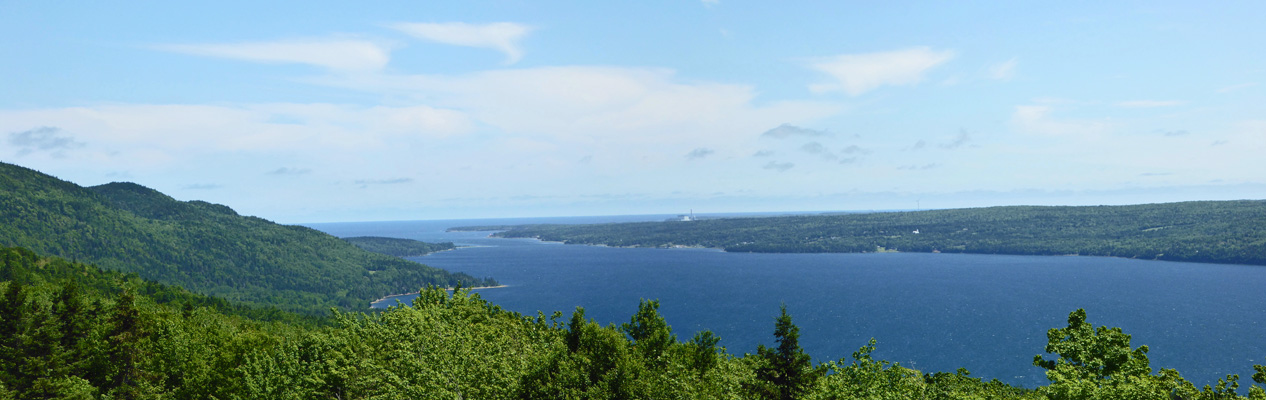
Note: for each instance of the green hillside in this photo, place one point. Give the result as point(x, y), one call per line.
point(1204, 231)
point(207, 248)
point(398, 247)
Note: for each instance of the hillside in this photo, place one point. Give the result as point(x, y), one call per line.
point(1205, 231)
point(207, 248)
point(398, 247)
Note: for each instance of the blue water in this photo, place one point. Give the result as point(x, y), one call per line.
point(933, 312)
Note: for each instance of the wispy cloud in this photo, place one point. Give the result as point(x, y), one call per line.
point(699, 153)
point(711, 3)
point(813, 148)
point(763, 153)
point(290, 171)
point(1004, 71)
point(915, 167)
point(44, 138)
point(777, 166)
point(1232, 88)
point(854, 149)
point(500, 36)
point(919, 145)
point(394, 181)
point(334, 54)
point(860, 73)
point(1179, 132)
point(959, 141)
point(1037, 120)
point(1149, 103)
point(787, 130)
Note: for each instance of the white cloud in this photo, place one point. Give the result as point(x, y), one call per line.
point(1149, 103)
point(1004, 71)
point(335, 54)
point(254, 127)
point(619, 108)
point(1238, 87)
point(711, 3)
point(861, 73)
point(787, 130)
point(500, 36)
point(1037, 120)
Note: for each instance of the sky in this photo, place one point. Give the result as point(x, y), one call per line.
point(320, 111)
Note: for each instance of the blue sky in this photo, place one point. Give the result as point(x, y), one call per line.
point(336, 111)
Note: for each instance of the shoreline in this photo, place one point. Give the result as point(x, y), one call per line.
point(371, 304)
point(884, 251)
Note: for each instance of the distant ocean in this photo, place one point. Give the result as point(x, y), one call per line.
point(932, 312)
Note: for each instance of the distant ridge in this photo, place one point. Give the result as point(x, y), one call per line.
point(205, 247)
point(1232, 232)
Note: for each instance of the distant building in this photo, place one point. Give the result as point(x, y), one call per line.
point(685, 217)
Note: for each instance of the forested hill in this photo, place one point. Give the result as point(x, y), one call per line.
point(398, 247)
point(207, 248)
point(1204, 231)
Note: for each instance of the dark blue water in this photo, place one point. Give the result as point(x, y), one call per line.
point(933, 312)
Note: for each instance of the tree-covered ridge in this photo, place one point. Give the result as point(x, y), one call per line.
point(204, 247)
point(398, 247)
point(1204, 231)
point(69, 330)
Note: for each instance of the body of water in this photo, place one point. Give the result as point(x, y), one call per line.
point(932, 312)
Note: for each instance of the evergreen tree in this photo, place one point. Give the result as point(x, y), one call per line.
point(42, 358)
point(786, 371)
point(126, 334)
point(12, 303)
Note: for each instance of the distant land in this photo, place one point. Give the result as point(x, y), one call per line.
point(204, 247)
point(398, 247)
point(1201, 231)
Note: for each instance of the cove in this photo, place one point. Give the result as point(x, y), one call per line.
point(932, 312)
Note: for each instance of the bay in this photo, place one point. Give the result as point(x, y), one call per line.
point(933, 312)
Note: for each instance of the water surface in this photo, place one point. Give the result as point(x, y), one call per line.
point(933, 312)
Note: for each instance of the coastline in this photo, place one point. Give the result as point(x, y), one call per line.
point(879, 251)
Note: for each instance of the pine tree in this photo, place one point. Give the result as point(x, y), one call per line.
point(786, 370)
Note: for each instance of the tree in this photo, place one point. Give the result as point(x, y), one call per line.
point(1099, 363)
point(786, 371)
point(1092, 353)
point(127, 331)
point(650, 333)
point(703, 351)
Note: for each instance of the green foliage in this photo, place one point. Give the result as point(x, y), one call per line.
point(398, 247)
point(1099, 363)
point(785, 372)
point(1089, 353)
point(1206, 231)
point(703, 351)
point(650, 333)
point(204, 247)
